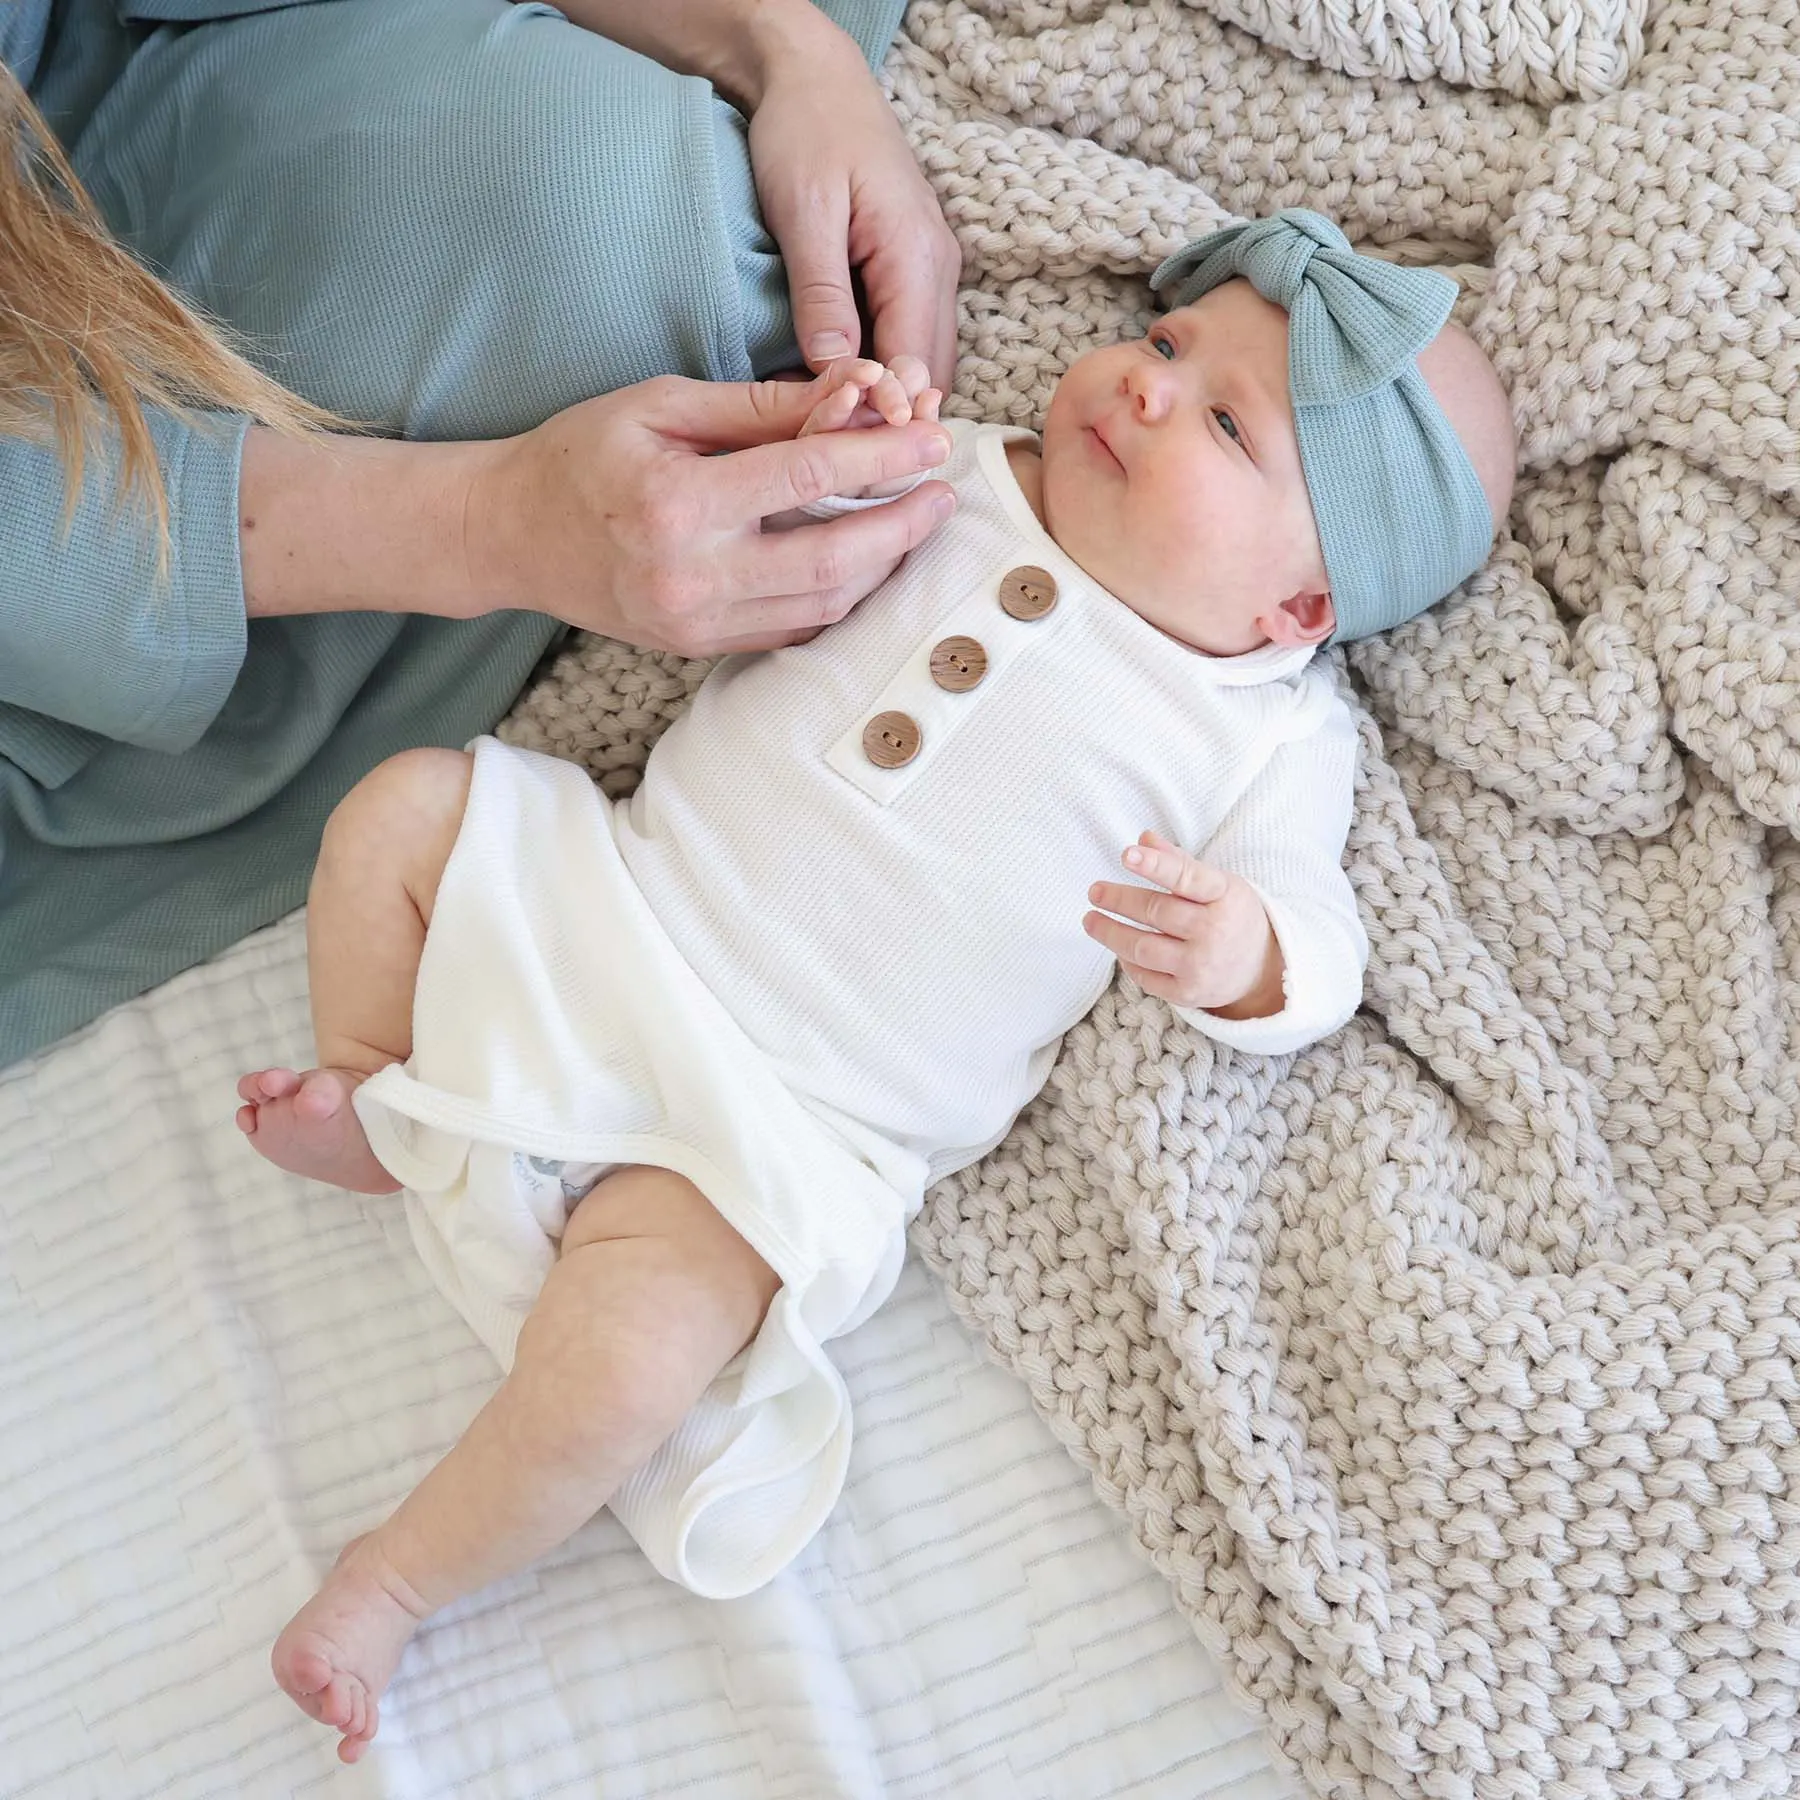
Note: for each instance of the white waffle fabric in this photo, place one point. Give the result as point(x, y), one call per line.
point(810, 983)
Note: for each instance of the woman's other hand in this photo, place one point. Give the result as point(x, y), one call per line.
point(840, 190)
point(839, 186)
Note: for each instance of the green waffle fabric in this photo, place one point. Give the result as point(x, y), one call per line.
point(446, 218)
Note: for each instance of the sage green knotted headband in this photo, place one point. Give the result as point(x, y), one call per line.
point(1401, 514)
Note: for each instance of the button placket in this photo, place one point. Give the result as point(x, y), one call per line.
point(917, 712)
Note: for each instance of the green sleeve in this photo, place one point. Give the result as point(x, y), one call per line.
point(92, 633)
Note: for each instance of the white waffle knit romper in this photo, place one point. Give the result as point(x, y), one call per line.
point(826, 953)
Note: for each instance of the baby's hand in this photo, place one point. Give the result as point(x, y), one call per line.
point(856, 392)
point(1201, 937)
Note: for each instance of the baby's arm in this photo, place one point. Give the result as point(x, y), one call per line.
point(1259, 943)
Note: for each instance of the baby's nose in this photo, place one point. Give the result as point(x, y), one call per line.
point(1148, 386)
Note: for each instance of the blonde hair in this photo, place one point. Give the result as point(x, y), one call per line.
point(89, 338)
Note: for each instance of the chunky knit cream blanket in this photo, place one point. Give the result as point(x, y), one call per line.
point(1450, 1371)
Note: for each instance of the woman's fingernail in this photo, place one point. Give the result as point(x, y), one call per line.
point(827, 344)
point(935, 449)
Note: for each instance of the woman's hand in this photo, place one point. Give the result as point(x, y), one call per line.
point(618, 516)
point(838, 184)
point(840, 191)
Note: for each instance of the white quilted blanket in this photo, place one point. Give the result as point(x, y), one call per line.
point(1448, 1371)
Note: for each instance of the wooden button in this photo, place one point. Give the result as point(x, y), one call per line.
point(1027, 592)
point(890, 740)
point(958, 664)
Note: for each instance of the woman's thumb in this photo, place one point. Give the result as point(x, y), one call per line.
point(818, 262)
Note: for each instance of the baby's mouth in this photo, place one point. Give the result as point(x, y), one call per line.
point(1100, 438)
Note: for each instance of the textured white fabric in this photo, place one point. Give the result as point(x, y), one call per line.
point(218, 1373)
point(1450, 1371)
point(905, 944)
point(801, 980)
point(1544, 50)
point(554, 1019)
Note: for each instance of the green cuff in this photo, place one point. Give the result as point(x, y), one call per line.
point(201, 462)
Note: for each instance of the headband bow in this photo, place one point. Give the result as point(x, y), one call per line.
point(1401, 514)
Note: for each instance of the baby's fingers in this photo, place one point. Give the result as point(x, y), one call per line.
point(1138, 949)
point(1158, 860)
point(890, 399)
point(852, 371)
point(833, 412)
point(912, 375)
point(1150, 907)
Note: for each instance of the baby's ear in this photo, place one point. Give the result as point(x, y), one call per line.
point(1300, 619)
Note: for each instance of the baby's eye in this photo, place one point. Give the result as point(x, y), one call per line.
point(1163, 345)
point(1230, 425)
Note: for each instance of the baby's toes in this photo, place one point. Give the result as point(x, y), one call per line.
point(927, 404)
point(267, 1084)
point(320, 1096)
point(342, 1704)
point(305, 1676)
point(359, 1727)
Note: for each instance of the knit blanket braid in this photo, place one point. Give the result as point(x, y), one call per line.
point(1450, 1370)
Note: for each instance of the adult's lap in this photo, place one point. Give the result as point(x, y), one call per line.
point(445, 217)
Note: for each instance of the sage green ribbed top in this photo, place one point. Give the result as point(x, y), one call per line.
point(449, 218)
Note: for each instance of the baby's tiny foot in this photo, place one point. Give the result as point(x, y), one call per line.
point(306, 1123)
point(336, 1655)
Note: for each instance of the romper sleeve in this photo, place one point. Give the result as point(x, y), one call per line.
point(92, 634)
point(1285, 837)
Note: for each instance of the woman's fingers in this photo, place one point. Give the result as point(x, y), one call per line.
point(620, 517)
point(835, 558)
point(773, 478)
point(910, 280)
point(715, 415)
point(815, 248)
point(841, 190)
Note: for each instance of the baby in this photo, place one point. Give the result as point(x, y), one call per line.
point(664, 1080)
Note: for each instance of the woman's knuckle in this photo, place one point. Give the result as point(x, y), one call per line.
point(671, 593)
point(665, 515)
point(829, 569)
point(813, 470)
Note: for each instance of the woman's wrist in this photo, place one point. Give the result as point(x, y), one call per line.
point(345, 524)
point(735, 44)
point(784, 34)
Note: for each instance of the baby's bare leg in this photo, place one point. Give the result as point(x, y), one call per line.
point(380, 863)
point(653, 1294)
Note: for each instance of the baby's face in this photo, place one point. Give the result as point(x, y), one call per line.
point(1172, 475)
